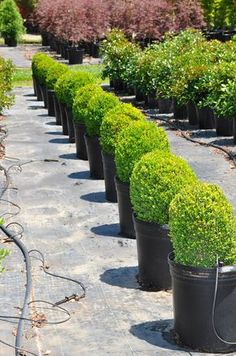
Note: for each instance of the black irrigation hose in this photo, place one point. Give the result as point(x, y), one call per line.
point(183, 134)
point(20, 328)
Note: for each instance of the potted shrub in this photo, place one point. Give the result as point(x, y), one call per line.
point(37, 58)
point(42, 69)
point(11, 23)
point(7, 70)
point(114, 121)
point(156, 178)
point(132, 143)
point(98, 106)
point(80, 105)
point(66, 87)
point(53, 74)
point(203, 233)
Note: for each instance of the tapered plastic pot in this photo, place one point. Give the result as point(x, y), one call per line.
point(165, 106)
point(192, 114)
point(118, 85)
point(75, 55)
point(35, 86)
point(206, 118)
point(152, 102)
point(10, 42)
point(94, 157)
point(50, 96)
point(70, 124)
point(234, 130)
point(139, 96)
point(224, 127)
point(125, 209)
point(44, 95)
point(195, 319)
point(153, 247)
point(63, 119)
point(57, 110)
point(38, 89)
point(109, 168)
point(180, 111)
point(81, 150)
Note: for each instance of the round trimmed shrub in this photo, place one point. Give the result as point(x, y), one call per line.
point(54, 72)
point(68, 84)
point(81, 100)
point(42, 69)
point(203, 226)
point(11, 21)
point(98, 106)
point(37, 58)
point(156, 178)
point(133, 142)
point(114, 121)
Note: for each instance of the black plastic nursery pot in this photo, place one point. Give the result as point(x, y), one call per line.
point(192, 114)
point(50, 100)
point(81, 151)
point(70, 124)
point(10, 42)
point(63, 119)
point(224, 127)
point(153, 246)
point(94, 157)
point(57, 110)
point(125, 209)
point(75, 55)
point(165, 106)
point(44, 95)
point(109, 168)
point(198, 323)
point(118, 85)
point(139, 96)
point(152, 102)
point(180, 112)
point(206, 118)
point(234, 130)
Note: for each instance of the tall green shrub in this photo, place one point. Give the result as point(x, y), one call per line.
point(7, 70)
point(11, 22)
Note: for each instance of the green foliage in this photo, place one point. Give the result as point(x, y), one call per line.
point(11, 22)
point(3, 252)
point(133, 142)
point(220, 13)
point(98, 106)
point(225, 105)
point(156, 178)
point(81, 100)
point(68, 84)
point(119, 56)
point(114, 121)
point(42, 67)
point(54, 72)
point(38, 57)
point(7, 70)
point(203, 226)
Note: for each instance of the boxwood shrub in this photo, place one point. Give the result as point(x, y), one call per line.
point(133, 142)
point(156, 178)
point(54, 72)
point(43, 66)
point(114, 121)
point(81, 100)
point(7, 70)
point(203, 226)
point(98, 106)
point(68, 84)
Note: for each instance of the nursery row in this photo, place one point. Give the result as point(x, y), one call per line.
point(185, 73)
point(83, 20)
point(177, 220)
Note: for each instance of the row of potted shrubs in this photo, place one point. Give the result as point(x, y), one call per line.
point(186, 74)
point(160, 199)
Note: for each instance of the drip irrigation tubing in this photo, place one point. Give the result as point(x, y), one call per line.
point(230, 155)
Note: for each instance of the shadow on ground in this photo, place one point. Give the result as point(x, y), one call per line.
point(53, 133)
point(80, 175)
point(124, 277)
point(98, 197)
point(158, 333)
point(36, 107)
point(68, 156)
point(112, 230)
point(59, 140)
